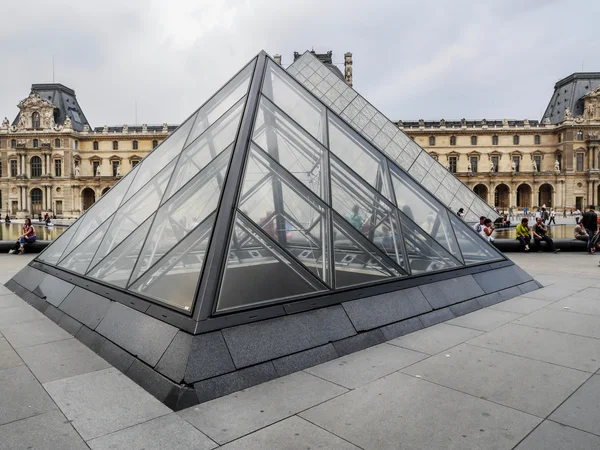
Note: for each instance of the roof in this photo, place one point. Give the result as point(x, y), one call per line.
point(136, 129)
point(458, 124)
point(569, 93)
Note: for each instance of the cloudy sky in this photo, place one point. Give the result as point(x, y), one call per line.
point(428, 59)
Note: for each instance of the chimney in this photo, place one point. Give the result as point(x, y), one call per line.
point(277, 59)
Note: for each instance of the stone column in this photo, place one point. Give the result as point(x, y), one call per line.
point(27, 200)
point(50, 206)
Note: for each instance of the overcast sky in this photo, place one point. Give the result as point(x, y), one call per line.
point(420, 59)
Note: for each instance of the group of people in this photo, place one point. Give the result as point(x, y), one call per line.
point(587, 229)
point(485, 228)
point(539, 234)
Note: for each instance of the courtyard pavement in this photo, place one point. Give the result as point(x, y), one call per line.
point(522, 374)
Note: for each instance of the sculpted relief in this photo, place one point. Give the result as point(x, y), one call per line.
point(34, 103)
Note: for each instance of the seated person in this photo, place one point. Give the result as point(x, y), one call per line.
point(506, 222)
point(487, 230)
point(539, 235)
point(524, 234)
point(580, 233)
point(7, 219)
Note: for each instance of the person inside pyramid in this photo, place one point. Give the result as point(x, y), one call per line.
point(355, 218)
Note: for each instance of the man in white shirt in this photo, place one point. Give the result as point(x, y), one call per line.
point(478, 227)
point(552, 215)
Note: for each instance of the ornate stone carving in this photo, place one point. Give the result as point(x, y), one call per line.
point(144, 128)
point(547, 121)
point(557, 165)
point(5, 124)
point(68, 125)
point(76, 169)
point(105, 129)
point(86, 128)
point(125, 129)
point(535, 168)
point(165, 128)
point(568, 113)
point(504, 122)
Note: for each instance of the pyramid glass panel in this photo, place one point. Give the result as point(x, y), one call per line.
point(291, 217)
point(474, 248)
point(186, 210)
point(356, 260)
point(291, 147)
point(79, 259)
point(116, 267)
point(364, 160)
point(260, 270)
point(53, 253)
point(174, 278)
point(295, 101)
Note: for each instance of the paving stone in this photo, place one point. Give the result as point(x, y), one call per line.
point(358, 342)
point(451, 291)
point(398, 329)
point(567, 322)
point(85, 306)
point(22, 396)
point(116, 356)
point(33, 333)
point(372, 312)
point(521, 305)
point(576, 352)
point(460, 309)
point(503, 278)
point(582, 409)
point(485, 319)
point(435, 339)
point(247, 411)
point(45, 431)
point(432, 417)
point(303, 360)
point(69, 324)
point(262, 341)
point(552, 293)
point(4, 290)
point(103, 402)
point(358, 369)
point(18, 314)
point(90, 338)
point(54, 290)
point(576, 304)
point(232, 382)
point(62, 359)
point(552, 435)
point(290, 434)
point(592, 293)
point(208, 357)
point(530, 386)
point(139, 334)
point(167, 432)
point(8, 357)
point(435, 317)
point(10, 300)
point(489, 299)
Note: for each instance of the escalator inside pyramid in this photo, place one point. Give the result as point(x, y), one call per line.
point(264, 228)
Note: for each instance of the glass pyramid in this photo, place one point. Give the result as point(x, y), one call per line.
point(266, 195)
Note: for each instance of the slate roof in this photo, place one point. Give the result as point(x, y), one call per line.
point(569, 92)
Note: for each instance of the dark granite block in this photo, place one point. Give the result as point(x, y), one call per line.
point(398, 329)
point(85, 306)
point(489, 299)
point(209, 357)
point(232, 382)
point(69, 324)
point(304, 360)
point(262, 341)
point(29, 278)
point(173, 362)
point(528, 287)
point(38, 303)
point(372, 312)
point(54, 314)
point(181, 397)
point(90, 338)
point(139, 334)
point(359, 342)
point(460, 309)
point(54, 290)
point(151, 380)
point(116, 356)
point(503, 278)
point(434, 317)
point(510, 293)
point(451, 291)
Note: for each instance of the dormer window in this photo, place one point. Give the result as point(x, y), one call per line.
point(36, 143)
point(35, 120)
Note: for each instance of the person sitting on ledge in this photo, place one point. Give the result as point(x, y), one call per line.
point(579, 232)
point(7, 219)
point(539, 235)
point(28, 237)
point(524, 234)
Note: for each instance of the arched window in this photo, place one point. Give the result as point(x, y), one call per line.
point(13, 143)
point(494, 140)
point(36, 143)
point(56, 143)
point(580, 135)
point(452, 140)
point(135, 145)
point(431, 140)
point(537, 140)
point(115, 145)
point(515, 140)
point(36, 167)
point(154, 143)
point(35, 120)
point(95, 145)
point(473, 140)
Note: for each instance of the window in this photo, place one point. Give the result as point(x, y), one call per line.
point(516, 163)
point(57, 143)
point(0, 176)
point(96, 168)
point(76, 145)
point(13, 168)
point(154, 143)
point(473, 140)
point(560, 138)
point(515, 140)
point(452, 140)
point(58, 168)
point(537, 140)
point(95, 145)
point(473, 160)
point(36, 143)
point(115, 145)
point(431, 140)
point(494, 140)
point(579, 162)
point(35, 120)
point(134, 163)
point(135, 145)
point(36, 167)
point(580, 135)
point(495, 163)
point(452, 164)
point(13, 143)
point(115, 168)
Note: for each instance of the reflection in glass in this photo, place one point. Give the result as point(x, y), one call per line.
point(53, 252)
point(256, 268)
point(174, 278)
point(474, 248)
point(295, 101)
point(291, 217)
point(289, 145)
point(79, 259)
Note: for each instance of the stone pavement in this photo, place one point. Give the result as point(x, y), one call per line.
point(521, 374)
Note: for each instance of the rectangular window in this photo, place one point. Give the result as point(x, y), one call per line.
point(0, 176)
point(474, 160)
point(537, 139)
point(473, 140)
point(13, 168)
point(494, 140)
point(115, 168)
point(495, 163)
point(134, 163)
point(96, 166)
point(452, 164)
point(516, 163)
point(57, 168)
point(58, 207)
point(538, 163)
point(580, 162)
